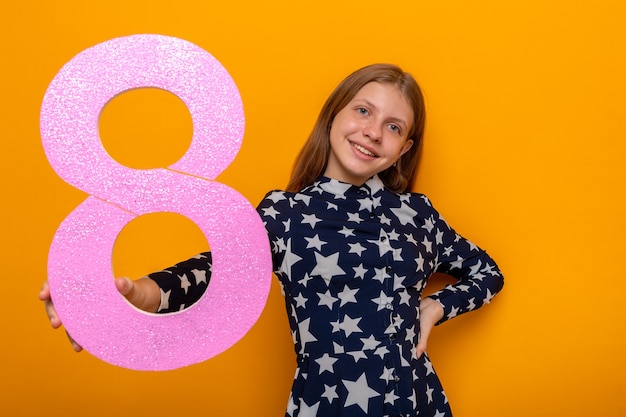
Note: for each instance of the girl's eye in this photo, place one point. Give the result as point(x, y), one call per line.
point(362, 110)
point(395, 128)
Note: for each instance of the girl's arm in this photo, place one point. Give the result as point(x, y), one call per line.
point(478, 277)
point(182, 284)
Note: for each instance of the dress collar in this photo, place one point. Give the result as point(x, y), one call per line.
point(343, 189)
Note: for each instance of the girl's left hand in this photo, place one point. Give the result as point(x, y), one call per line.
point(430, 313)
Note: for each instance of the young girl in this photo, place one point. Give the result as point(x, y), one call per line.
point(353, 251)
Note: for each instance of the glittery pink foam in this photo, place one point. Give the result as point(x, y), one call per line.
point(79, 262)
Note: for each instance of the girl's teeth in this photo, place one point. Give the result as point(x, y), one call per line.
point(363, 150)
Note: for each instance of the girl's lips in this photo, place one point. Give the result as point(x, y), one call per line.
point(363, 150)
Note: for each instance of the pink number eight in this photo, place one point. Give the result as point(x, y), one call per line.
point(79, 263)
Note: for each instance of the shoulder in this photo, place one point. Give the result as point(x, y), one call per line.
point(416, 201)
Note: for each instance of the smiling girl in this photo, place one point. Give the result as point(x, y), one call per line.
point(353, 250)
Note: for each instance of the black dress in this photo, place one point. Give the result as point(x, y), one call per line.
point(352, 262)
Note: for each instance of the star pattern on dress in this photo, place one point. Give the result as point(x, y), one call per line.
point(184, 282)
point(327, 266)
point(326, 363)
point(352, 263)
point(359, 393)
point(330, 392)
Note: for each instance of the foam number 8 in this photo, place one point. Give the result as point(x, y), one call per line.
point(79, 263)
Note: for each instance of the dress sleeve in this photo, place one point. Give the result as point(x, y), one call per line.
point(478, 277)
point(184, 283)
point(274, 210)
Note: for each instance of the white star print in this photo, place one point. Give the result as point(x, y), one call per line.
point(346, 232)
point(305, 280)
point(428, 245)
point(381, 274)
point(413, 399)
point(410, 238)
point(310, 219)
point(326, 363)
point(439, 237)
point(453, 312)
point(306, 411)
point(347, 296)
point(474, 271)
point(387, 374)
point(488, 298)
point(489, 269)
point(304, 198)
point(429, 393)
point(350, 325)
point(184, 282)
point(405, 297)
point(165, 300)
point(405, 214)
point(270, 211)
point(337, 348)
point(370, 343)
point(381, 351)
point(382, 300)
point(327, 266)
point(365, 204)
point(457, 264)
point(429, 224)
point(382, 242)
point(314, 242)
point(354, 217)
point(359, 271)
point(356, 248)
point(289, 259)
point(330, 392)
point(410, 334)
point(391, 397)
point(300, 301)
point(291, 406)
point(357, 354)
point(398, 282)
point(305, 335)
point(429, 366)
point(279, 245)
point(384, 219)
point(397, 254)
point(359, 392)
point(200, 276)
point(326, 299)
point(420, 262)
point(276, 196)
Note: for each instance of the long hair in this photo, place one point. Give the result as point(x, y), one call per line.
point(313, 157)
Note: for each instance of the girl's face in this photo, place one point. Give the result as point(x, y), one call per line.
point(369, 134)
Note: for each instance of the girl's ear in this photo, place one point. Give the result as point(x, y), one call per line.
point(407, 145)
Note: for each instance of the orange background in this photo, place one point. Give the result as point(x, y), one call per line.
point(523, 154)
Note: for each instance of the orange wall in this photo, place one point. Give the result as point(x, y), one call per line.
point(524, 155)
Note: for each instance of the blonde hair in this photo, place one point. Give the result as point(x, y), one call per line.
point(313, 157)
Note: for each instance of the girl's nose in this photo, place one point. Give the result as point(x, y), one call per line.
point(373, 131)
